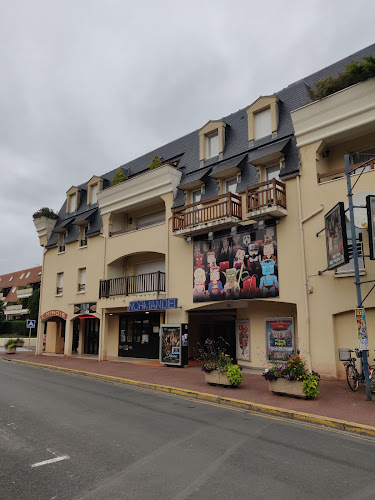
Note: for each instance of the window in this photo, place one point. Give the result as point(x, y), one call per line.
point(61, 243)
point(361, 157)
point(10, 279)
point(72, 202)
point(212, 145)
point(83, 238)
point(40, 273)
point(196, 196)
point(231, 185)
point(151, 219)
point(59, 283)
point(94, 192)
point(82, 279)
point(273, 172)
point(22, 275)
point(27, 275)
point(14, 289)
point(263, 123)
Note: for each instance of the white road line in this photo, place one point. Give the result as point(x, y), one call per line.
point(51, 461)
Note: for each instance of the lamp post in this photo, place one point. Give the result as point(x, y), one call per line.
point(356, 268)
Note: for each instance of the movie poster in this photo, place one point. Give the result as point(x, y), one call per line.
point(280, 338)
point(243, 339)
point(170, 345)
point(360, 318)
point(240, 266)
point(336, 240)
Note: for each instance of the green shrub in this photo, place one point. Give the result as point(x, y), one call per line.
point(16, 327)
point(234, 375)
point(356, 71)
point(311, 385)
point(156, 163)
point(45, 212)
point(11, 343)
point(118, 177)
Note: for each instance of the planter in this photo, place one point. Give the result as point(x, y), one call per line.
point(20, 344)
point(287, 387)
point(217, 378)
point(10, 350)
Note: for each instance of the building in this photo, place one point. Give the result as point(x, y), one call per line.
point(226, 225)
point(15, 290)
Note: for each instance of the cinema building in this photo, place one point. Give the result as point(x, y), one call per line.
point(221, 237)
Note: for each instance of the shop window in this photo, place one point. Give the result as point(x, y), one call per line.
point(59, 283)
point(82, 279)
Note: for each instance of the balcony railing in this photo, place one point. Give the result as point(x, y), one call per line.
point(266, 198)
point(130, 285)
point(61, 248)
point(144, 225)
point(227, 205)
point(83, 243)
point(24, 293)
point(59, 290)
point(340, 172)
point(81, 287)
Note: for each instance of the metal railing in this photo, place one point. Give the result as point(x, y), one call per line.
point(81, 287)
point(215, 208)
point(61, 248)
point(130, 285)
point(83, 243)
point(340, 172)
point(266, 194)
point(59, 290)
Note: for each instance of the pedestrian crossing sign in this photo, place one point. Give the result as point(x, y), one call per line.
point(30, 323)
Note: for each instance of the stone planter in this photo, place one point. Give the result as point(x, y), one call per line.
point(217, 378)
point(287, 387)
point(10, 350)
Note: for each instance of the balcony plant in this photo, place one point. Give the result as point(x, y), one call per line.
point(10, 346)
point(45, 212)
point(218, 365)
point(293, 378)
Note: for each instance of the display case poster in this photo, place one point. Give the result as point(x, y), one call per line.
point(336, 239)
point(236, 266)
point(170, 345)
point(280, 338)
point(370, 203)
point(360, 317)
point(243, 339)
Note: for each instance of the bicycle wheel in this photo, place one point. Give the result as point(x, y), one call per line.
point(351, 377)
point(372, 383)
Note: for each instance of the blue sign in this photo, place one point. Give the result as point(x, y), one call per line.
point(152, 305)
point(30, 323)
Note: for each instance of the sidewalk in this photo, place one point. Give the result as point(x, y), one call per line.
point(335, 400)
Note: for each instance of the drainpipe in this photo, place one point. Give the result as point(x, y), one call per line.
point(303, 258)
point(167, 268)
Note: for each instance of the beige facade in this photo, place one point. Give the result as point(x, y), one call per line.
point(145, 249)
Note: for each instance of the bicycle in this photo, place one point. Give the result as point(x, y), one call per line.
point(352, 376)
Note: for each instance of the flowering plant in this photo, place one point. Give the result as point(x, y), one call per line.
point(215, 358)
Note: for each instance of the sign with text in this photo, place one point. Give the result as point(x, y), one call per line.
point(52, 313)
point(243, 339)
point(87, 308)
point(370, 203)
point(152, 305)
point(30, 323)
point(170, 344)
point(336, 239)
point(360, 318)
point(280, 338)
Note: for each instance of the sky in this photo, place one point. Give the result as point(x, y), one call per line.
point(87, 85)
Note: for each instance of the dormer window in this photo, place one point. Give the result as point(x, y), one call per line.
point(262, 118)
point(212, 144)
point(72, 202)
point(94, 192)
point(262, 123)
point(27, 275)
point(10, 279)
point(94, 186)
point(72, 199)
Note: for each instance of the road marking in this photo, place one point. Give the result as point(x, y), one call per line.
point(51, 461)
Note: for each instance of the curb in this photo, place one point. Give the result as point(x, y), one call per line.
point(333, 423)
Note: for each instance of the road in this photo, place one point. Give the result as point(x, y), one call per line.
point(65, 436)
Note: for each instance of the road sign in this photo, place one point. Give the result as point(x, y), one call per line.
point(30, 323)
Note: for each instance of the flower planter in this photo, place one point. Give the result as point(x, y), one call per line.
point(10, 350)
point(287, 387)
point(217, 378)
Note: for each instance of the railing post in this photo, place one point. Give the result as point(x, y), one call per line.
point(158, 290)
point(230, 204)
point(274, 193)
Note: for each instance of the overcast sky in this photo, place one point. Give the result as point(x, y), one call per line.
point(87, 85)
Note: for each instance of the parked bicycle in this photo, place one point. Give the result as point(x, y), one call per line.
point(352, 375)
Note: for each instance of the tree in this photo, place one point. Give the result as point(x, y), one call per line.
point(33, 304)
point(2, 315)
point(119, 177)
point(155, 163)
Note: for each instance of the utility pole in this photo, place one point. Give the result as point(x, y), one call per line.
point(356, 268)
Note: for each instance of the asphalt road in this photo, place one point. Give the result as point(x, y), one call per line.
point(110, 441)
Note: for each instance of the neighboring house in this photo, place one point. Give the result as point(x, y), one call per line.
point(226, 226)
point(15, 290)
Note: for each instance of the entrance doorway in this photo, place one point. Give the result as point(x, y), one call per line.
point(91, 342)
point(212, 325)
point(139, 335)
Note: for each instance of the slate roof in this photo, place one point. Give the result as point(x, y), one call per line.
point(17, 280)
point(236, 143)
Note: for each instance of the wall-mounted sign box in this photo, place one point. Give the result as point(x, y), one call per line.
point(336, 239)
point(152, 305)
point(87, 308)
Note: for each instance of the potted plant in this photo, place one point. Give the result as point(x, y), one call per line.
point(218, 365)
point(19, 342)
point(293, 378)
point(10, 346)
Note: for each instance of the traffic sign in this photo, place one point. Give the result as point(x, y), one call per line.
point(30, 323)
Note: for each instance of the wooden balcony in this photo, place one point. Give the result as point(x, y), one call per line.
point(218, 212)
point(266, 199)
point(340, 172)
point(131, 285)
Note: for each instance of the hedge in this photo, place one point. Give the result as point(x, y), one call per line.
point(16, 327)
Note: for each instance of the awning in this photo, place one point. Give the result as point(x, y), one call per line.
point(84, 218)
point(195, 179)
point(228, 167)
point(267, 153)
point(61, 227)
